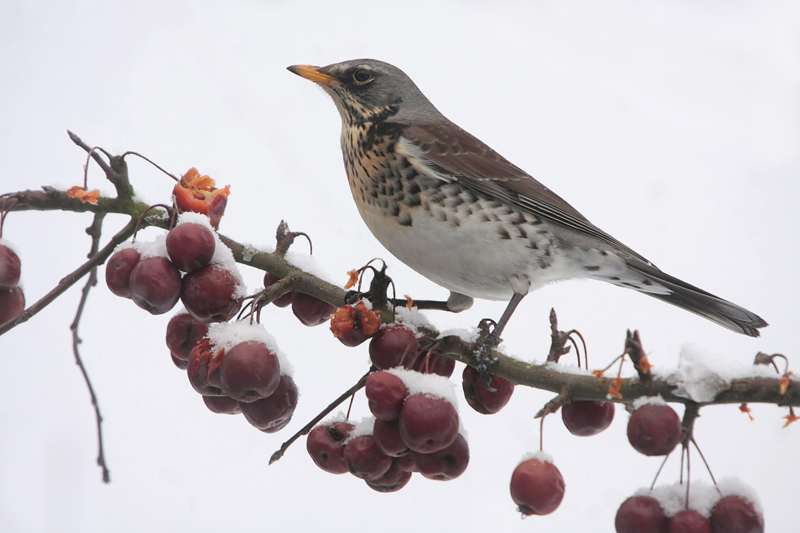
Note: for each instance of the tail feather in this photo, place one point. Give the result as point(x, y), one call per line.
point(698, 301)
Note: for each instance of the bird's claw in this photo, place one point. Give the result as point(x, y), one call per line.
point(483, 358)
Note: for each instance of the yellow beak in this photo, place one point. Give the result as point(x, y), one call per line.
point(312, 73)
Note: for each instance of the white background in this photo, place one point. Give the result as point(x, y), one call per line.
point(672, 125)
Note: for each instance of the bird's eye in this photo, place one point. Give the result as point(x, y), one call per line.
point(362, 75)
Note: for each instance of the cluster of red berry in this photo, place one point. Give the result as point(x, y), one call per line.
point(235, 366)
point(733, 513)
point(12, 299)
point(150, 273)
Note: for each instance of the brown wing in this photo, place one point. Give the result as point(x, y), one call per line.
point(459, 154)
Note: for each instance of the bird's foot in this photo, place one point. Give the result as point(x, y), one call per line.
point(483, 354)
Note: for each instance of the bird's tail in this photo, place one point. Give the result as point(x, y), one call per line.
point(653, 282)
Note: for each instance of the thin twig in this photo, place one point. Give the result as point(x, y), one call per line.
point(333, 405)
point(94, 231)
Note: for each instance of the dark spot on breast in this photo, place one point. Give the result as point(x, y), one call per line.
point(405, 220)
point(522, 233)
point(412, 200)
point(394, 209)
point(503, 234)
point(592, 268)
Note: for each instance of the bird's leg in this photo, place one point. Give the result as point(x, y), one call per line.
point(488, 342)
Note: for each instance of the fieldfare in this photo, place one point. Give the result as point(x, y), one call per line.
point(457, 212)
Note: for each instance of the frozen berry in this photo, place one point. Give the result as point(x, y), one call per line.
point(222, 405)
point(734, 514)
point(309, 310)
point(445, 464)
point(190, 246)
point(203, 370)
point(641, 514)
point(386, 394)
point(428, 423)
point(155, 285)
point(9, 268)
point(585, 419)
point(654, 429)
point(432, 364)
point(12, 303)
point(364, 459)
point(393, 480)
point(479, 397)
point(391, 344)
point(387, 438)
point(183, 333)
point(118, 271)
point(537, 487)
point(249, 371)
point(209, 293)
point(180, 363)
point(689, 521)
point(325, 445)
point(274, 412)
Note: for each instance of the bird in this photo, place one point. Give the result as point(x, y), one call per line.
point(457, 212)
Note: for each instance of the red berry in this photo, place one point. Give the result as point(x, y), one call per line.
point(386, 394)
point(393, 480)
point(445, 464)
point(280, 301)
point(654, 429)
point(209, 293)
point(427, 423)
point(478, 396)
point(203, 370)
point(222, 405)
point(641, 514)
point(190, 246)
point(155, 285)
point(406, 463)
point(183, 333)
point(325, 445)
point(433, 364)
point(689, 521)
point(585, 419)
point(180, 363)
point(537, 487)
point(249, 371)
point(12, 303)
point(389, 346)
point(309, 310)
point(734, 514)
point(9, 268)
point(387, 438)
point(274, 412)
point(364, 459)
point(118, 271)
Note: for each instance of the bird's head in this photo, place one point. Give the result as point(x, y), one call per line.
point(367, 90)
